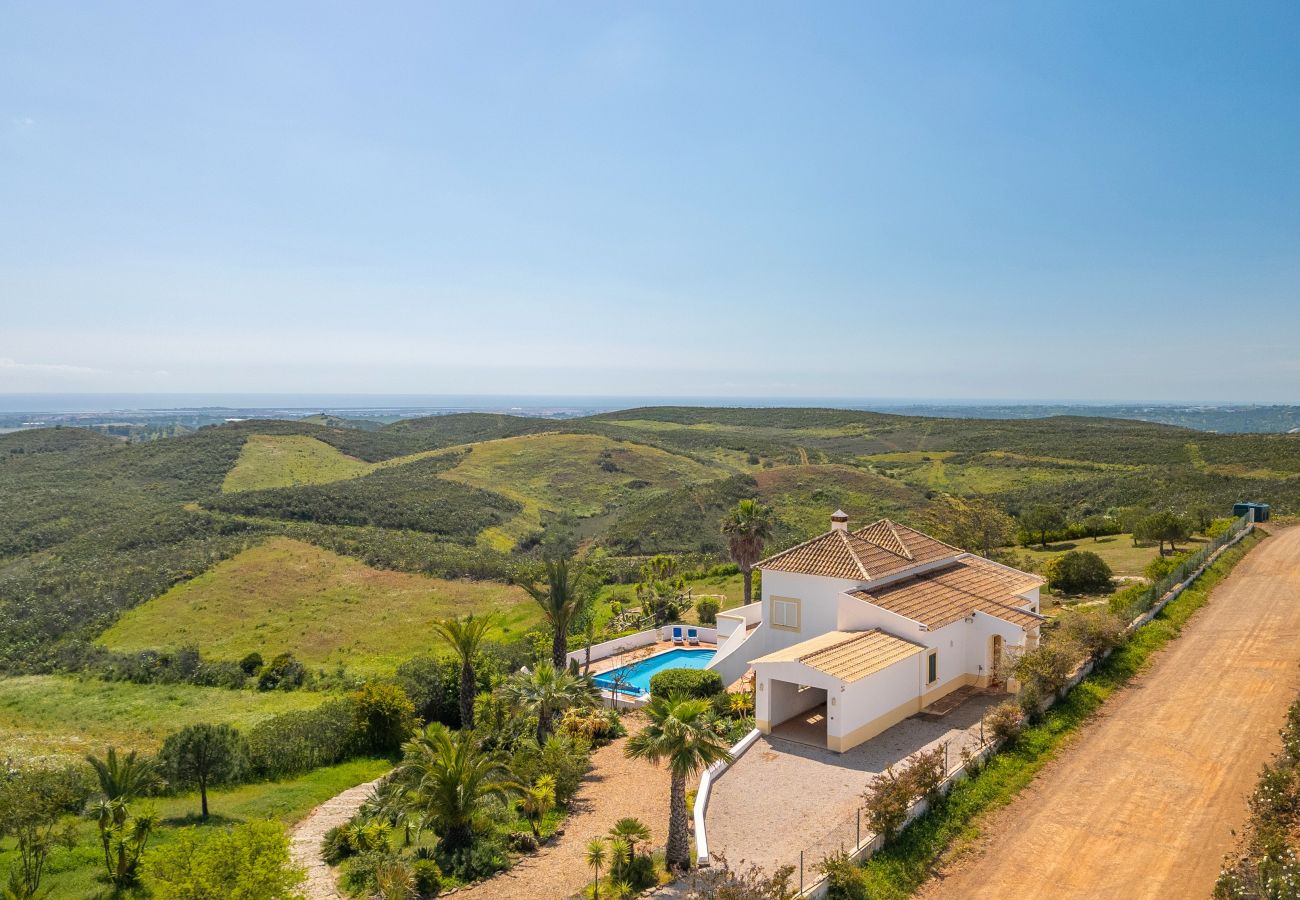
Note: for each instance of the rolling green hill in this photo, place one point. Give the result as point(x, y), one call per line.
point(91, 527)
point(328, 610)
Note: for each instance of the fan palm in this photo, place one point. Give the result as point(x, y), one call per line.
point(562, 592)
point(453, 783)
point(630, 830)
point(548, 690)
point(465, 636)
point(748, 526)
point(679, 733)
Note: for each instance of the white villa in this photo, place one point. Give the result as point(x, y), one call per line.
point(861, 629)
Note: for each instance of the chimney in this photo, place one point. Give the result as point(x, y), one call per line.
point(839, 521)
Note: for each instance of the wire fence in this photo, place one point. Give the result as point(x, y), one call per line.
point(1148, 597)
point(854, 833)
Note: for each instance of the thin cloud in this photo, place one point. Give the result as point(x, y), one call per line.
point(14, 366)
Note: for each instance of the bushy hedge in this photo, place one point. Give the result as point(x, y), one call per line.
point(302, 740)
point(700, 683)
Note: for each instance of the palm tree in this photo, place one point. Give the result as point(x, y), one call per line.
point(546, 691)
point(453, 783)
point(630, 830)
point(122, 780)
point(562, 597)
point(537, 801)
point(465, 636)
point(679, 733)
point(747, 526)
point(596, 859)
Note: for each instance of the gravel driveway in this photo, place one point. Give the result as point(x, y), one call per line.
point(782, 797)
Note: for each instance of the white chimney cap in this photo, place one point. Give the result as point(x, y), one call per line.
point(840, 520)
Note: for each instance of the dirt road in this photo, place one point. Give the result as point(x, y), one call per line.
point(1143, 803)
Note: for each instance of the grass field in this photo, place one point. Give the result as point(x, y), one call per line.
point(284, 460)
point(582, 474)
point(52, 715)
point(328, 610)
point(74, 873)
point(1117, 549)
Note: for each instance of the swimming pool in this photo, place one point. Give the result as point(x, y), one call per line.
point(636, 676)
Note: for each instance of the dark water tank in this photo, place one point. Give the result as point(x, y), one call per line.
point(1261, 510)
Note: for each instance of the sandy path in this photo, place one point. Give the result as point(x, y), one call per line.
point(615, 787)
point(306, 836)
point(1144, 801)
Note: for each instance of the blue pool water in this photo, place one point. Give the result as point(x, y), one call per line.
point(638, 674)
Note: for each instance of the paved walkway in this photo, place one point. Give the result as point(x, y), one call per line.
point(305, 840)
point(614, 788)
point(1144, 802)
point(782, 797)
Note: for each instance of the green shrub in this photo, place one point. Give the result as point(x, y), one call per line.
point(1094, 629)
point(302, 740)
point(249, 860)
point(708, 607)
point(428, 877)
point(1005, 722)
point(1048, 666)
point(562, 757)
point(701, 683)
point(842, 879)
point(1079, 572)
point(283, 673)
point(251, 663)
point(385, 717)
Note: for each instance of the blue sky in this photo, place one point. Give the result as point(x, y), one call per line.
point(1093, 201)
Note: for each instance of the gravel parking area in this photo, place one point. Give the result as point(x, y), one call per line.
point(782, 797)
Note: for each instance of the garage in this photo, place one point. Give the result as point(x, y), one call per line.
point(838, 689)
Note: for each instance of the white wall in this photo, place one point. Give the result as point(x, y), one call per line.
point(869, 698)
point(785, 700)
point(819, 608)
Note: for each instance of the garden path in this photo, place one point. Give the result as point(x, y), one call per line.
point(305, 840)
point(614, 788)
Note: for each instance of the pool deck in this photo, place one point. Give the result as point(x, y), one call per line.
point(601, 666)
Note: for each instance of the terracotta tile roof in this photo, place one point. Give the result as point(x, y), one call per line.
point(972, 583)
point(882, 548)
point(847, 655)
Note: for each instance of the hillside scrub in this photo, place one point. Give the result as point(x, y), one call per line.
point(92, 527)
